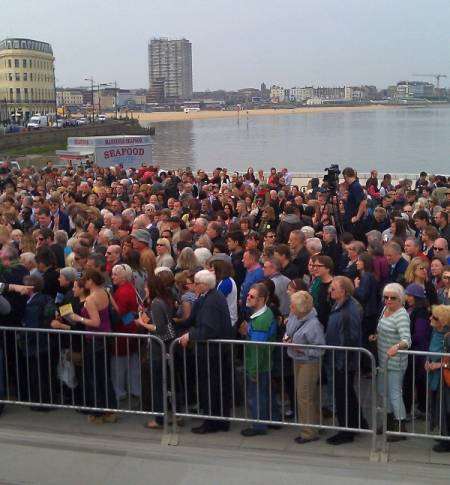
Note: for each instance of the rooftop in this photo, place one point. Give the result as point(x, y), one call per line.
point(30, 44)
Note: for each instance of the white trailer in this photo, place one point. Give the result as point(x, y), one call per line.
point(108, 151)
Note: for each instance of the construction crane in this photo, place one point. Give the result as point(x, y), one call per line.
point(437, 77)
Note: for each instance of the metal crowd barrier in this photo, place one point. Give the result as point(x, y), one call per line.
point(211, 380)
point(220, 381)
point(96, 373)
point(425, 397)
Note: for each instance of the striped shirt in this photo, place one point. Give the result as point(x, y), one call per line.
point(391, 330)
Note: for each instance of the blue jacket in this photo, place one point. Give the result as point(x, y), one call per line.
point(210, 317)
point(251, 277)
point(37, 315)
point(367, 294)
point(397, 273)
point(344, 330)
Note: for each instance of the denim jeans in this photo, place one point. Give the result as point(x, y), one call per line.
point(262, 405)
point(395, 402)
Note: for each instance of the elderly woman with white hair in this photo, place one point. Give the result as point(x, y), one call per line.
point(213, 360)
point(393, 334)
point(303, 327)
point(125, 372)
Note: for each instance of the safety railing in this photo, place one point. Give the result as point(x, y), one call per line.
point(262, 384)
point(416, 399)
point(97, 373)
point(328, 387)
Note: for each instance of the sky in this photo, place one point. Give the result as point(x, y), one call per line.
point(241, 43)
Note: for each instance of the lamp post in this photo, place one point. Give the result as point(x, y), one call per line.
point(91, 80)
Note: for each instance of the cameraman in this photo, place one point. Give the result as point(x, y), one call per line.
point(355, 205)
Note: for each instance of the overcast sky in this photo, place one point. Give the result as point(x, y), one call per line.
point(241, 43)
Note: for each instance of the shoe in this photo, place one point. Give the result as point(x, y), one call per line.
point(327, 413)
point(152, 424)
point(109, 418)
point(442, 447)
point(301, 441)
point(92, 419)
point(204, 429)
point(223, 426)
point(397, 426)
point(341, 438)
point(248, 432)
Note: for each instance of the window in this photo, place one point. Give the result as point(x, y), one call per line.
point(25, 92)
point(10, 76)
point(18, 96)
point(17, 76)
point(24, 63)
point(9, 63)
point(11, 94)
point(31, 63)
point(31, 76)
point(32, 94)
point(16, 63)
point(25, 76)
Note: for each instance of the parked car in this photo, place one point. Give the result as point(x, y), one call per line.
point(82, 121)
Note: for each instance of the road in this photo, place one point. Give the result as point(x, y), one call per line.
point(31, 458)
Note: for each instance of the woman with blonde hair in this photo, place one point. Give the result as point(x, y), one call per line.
point(187, 260)
point(417, 272)
point(393, 334)
point(303, 327)
point(439, 391)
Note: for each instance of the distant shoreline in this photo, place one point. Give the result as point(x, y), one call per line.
point(157, 117)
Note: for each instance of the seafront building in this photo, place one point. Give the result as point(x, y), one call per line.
point(27, 78)
point(170, 68)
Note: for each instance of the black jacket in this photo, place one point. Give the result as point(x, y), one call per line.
point(14, 275)
point(210, 317)
point(301, 261)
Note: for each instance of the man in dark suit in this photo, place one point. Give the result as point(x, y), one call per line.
point(397, 264)
point(60, 219)
point(300, 255)
point(213, 359)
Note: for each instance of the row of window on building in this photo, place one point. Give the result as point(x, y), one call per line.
point(28, 63)
point(30, 95)
point(28, 77)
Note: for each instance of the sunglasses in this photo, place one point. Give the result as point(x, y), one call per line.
point(392, 298)
point(438, 249)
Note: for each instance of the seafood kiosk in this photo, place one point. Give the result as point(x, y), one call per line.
point(108, 151)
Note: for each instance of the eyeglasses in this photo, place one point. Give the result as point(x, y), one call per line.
point(438, 249)
point(391, 298)
point(318, 265)
point(422, 267)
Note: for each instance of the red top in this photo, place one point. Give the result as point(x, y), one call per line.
point(125, 298)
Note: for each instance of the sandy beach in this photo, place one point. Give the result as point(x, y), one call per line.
point(203, 115)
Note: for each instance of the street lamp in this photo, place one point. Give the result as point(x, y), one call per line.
point(91, 80)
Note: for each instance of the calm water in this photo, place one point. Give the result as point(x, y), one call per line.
point(396, 140)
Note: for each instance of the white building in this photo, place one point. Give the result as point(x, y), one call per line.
point(67, 97)
point(277, 94)
point(355, 93)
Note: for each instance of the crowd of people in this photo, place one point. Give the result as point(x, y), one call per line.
point(200, 256)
